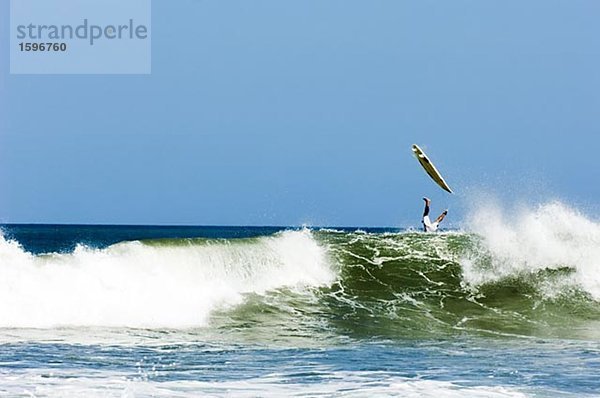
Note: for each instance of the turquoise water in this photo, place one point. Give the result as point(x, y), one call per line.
point(510, 309)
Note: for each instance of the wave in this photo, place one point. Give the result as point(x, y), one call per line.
point(533, 273)
point(549, 236)
point(152, 284)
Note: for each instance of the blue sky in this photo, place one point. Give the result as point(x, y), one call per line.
point(284, 113)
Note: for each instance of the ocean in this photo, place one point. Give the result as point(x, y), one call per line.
point(508, 307)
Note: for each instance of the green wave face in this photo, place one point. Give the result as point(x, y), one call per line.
point(415, 285)
point(308, 287)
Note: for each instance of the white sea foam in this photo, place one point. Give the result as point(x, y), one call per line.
point(525, 240)
point(138, 285)
point(347, 384)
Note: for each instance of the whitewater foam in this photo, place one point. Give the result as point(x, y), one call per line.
point(134, 284)
point(549, 236)
point(349, 384)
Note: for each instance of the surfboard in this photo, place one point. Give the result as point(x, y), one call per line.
point(430, 168)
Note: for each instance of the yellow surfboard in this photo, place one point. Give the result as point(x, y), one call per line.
point(430, 168)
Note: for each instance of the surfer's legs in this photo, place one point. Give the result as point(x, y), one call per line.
point(426, 210)
point(425, 220)
point(441, 217)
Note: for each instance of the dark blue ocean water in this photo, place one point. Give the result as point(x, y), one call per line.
point(146, 311)
point(59, 238)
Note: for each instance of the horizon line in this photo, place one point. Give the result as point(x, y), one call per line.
point(191, 225)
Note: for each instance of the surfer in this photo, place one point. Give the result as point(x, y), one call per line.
point(429, 226)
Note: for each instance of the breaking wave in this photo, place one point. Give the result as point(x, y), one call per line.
point(170, 283)
point(550, 236)
point(534, 273)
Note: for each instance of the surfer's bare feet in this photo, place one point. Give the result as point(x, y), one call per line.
point(442, 216)
point(427, 201)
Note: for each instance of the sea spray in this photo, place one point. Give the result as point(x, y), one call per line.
point(543, 237)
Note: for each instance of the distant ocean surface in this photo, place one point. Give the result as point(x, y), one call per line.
point(504, 309)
